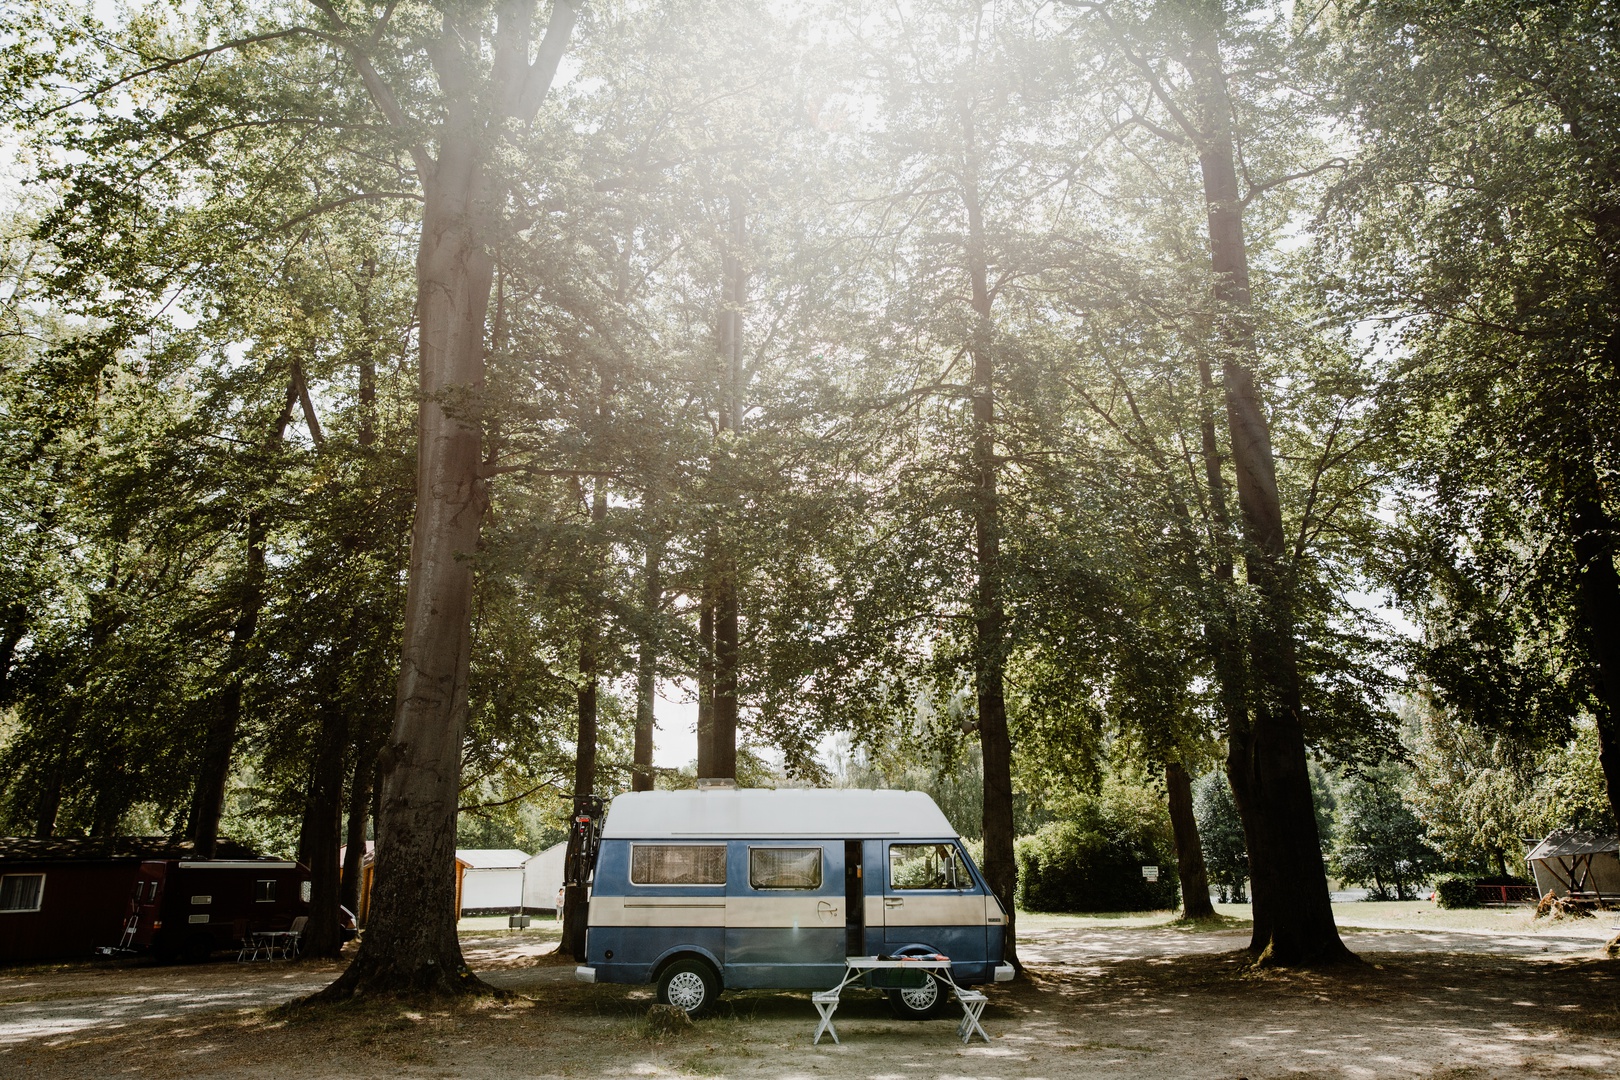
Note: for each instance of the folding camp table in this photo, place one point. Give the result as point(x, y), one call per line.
point(972, 1002)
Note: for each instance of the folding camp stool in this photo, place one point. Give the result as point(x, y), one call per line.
point(826, 1002)
point(973, 1004)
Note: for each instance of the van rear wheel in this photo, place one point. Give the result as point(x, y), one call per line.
point(689, 985)
point(919, 1003)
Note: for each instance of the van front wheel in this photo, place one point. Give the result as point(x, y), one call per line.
point(689, 985)
point(919, 1003)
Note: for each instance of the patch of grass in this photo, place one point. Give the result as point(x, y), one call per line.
point(1051, 920)
point(703, 1064)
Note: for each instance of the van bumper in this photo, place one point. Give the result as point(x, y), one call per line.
point(1004, 972)
point(588, 974)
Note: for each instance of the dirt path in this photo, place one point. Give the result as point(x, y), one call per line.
point(1101, 1003)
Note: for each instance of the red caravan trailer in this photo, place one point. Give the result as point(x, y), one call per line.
point(63, 897)
point(190, 908)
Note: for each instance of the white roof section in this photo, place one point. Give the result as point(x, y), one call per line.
point(555, 851)
point(492, 858)
point(839, 813)
point(1566, 843)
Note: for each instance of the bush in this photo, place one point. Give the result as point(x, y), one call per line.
point(1067, 866)
point(1456, 892)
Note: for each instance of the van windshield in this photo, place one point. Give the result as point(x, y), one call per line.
point(927, 866)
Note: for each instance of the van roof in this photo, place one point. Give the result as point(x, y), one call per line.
point(840, 813)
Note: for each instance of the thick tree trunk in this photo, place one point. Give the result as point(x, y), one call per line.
point(1286, 854)
point(723, 755)
point(705, 675)
point(219, 743)
point(989, 615)
point(410, 942)
point(725, 674)
point(49, 804)
point(13, 628)
point(585, 746)
point(1598, 588)
point(652, 597)
point(575, 907)
point(1189, 850)
point(1224, 639)
point(323, 834)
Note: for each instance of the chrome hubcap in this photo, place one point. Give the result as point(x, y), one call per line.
point(686, 990)
point(922, 998)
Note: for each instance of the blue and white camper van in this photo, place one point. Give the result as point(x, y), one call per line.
point(739, 889)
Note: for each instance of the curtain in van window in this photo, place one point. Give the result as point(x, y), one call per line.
point(678, 864)
point(784, 868)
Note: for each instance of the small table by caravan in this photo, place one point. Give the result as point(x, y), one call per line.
point(972, 1002)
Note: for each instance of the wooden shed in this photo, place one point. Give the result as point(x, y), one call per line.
point(64, 897)
point(367, 871)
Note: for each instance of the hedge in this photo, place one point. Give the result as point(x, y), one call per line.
point(1067, 867)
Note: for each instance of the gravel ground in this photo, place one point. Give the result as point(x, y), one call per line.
point(1101, 1002)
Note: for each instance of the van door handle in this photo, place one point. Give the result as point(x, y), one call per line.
point(824, 908)
point(893, 901)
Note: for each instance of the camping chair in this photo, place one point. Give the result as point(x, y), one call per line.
point(295, 936)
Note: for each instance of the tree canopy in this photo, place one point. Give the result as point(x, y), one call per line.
point(1011, 399)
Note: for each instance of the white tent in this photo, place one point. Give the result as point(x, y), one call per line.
point(543, 878)
point(493, 883)
point(1585, 864)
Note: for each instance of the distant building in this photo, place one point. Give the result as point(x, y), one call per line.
point(1582, 865)
point(543, 879)
point(493, 882)
point(64, 897)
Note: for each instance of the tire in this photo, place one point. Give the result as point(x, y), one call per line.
point(689, 985)
point(922, 1003)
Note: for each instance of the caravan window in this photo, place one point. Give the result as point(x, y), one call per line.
point(21, 892)
point(784, 868)
point(927, 866)
point(677, 864)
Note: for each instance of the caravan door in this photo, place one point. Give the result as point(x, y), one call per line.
point(785, 914)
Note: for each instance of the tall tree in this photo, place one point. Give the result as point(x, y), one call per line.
point(1480, 230)
point(490, 77)
point(1180, 52)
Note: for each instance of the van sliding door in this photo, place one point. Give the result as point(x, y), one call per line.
point(785, 914)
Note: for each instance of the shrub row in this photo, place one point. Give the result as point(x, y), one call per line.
point(1066, 866)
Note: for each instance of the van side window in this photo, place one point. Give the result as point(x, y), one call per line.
point(784, 868)
point(927, 866)
point(677, 864)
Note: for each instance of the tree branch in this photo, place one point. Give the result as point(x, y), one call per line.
point(381, 94)
point(537, 81)
point(364, 196)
